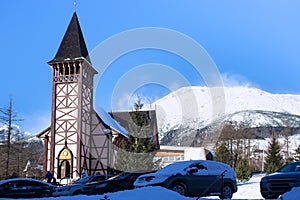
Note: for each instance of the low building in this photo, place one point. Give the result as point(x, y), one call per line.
point(170, 154)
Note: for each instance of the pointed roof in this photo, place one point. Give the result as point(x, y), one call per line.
point(72, 45)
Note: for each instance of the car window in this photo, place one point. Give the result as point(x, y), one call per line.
point(9, 185)
point(83, 180)
point(16, 184)
point(196, 169)
point(101, 178)
point(297, 168)
point(98, 178)
point(94, 179)
point(119, 176)
point(198, 166)
point(35, 183)
point(291, 167)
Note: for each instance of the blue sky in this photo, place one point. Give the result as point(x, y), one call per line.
point(252, 42)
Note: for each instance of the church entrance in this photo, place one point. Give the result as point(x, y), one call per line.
point(65, 164)
point(64, 169)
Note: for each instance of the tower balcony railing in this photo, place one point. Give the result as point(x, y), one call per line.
point(66, 78)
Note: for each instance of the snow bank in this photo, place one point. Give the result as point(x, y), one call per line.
point(294, 194)
point(248, 190)
point(146, 193)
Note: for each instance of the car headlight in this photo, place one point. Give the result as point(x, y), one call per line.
point(64, 188)
point(102, 185)
point(145, 179)
point(263, 180)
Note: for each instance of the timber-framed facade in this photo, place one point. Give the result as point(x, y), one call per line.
point(79, 139)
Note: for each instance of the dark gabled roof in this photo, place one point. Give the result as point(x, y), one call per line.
point(72, 45)
point(125, 118)
point(109, 121)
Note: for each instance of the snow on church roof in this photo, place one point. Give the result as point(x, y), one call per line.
point(108, 120)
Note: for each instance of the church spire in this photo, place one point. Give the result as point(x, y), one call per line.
point(72, 45)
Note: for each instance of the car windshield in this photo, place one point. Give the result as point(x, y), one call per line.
point(119, 176)
point(178, 167)
point(291, 167)
point(82, 180)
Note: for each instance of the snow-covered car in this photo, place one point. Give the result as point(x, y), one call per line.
point(76, 187)
point(194, 178)
point(25, 188)
point(283, 180)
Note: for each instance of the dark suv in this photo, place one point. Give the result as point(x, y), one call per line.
point(194, 178)
point(283, 180)
point(122, 181)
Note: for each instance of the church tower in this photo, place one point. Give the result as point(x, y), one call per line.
point(72, 104)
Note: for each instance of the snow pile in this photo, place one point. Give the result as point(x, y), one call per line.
point(294, 194)
point(147, 193)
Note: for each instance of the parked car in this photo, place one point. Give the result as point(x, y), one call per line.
point(25, 188)
point(194, 178)
point(283, 180)
point(76, 187)
point(122, 181)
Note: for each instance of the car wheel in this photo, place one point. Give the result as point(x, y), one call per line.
point(227, 192)
point(116, 189)
point(45, 195)
point(77, 192)
point(179, 188)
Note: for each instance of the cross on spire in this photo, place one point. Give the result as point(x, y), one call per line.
point(75, 5)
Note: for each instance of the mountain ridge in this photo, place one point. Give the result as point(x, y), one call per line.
point(189, 109)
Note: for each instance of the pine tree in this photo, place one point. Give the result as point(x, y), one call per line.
point(138, 105)
point(274, 159)
point(242, 170)
point(137, 151)
point(135, 154)
point(222, 154)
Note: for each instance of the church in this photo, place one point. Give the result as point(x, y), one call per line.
point(79, 139)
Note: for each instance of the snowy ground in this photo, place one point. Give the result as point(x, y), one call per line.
point(248, 190)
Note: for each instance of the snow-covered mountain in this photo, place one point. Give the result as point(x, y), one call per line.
point(182, 114)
